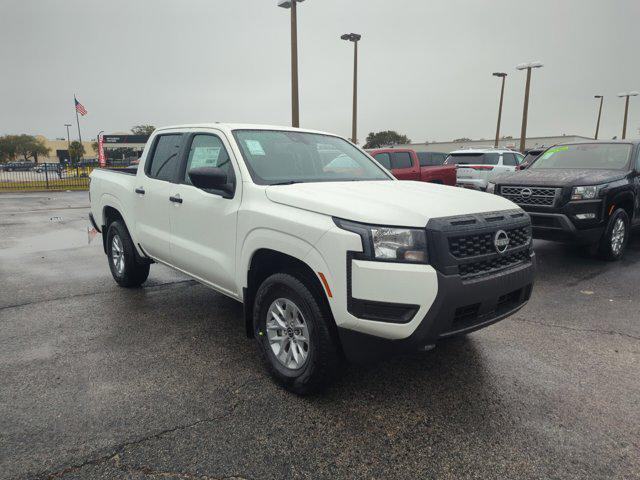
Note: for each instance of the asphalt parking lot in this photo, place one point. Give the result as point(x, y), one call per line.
point(160, 382)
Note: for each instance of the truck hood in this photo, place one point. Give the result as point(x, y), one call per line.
point(556, 177)
point(401, 203)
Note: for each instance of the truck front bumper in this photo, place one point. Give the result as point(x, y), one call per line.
point(459, 307)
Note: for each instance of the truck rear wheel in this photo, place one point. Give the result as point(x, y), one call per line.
point(293, 335)
point(615, 237)
point(126, 270)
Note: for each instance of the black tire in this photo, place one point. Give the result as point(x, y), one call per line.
point(607, 248)
point(131, 272)
point(323, 359)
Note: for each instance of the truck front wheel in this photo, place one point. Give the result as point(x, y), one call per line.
point(293, 335)
point(615, 237)
point(125, 268)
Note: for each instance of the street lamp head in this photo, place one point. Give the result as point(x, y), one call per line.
point(499, 74)
point(287, 3)
point(628, 94)
point(351, 37)
point(526, 66)
point(597, 96)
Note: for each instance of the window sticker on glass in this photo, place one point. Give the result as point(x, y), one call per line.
point(551, 151)
point(254, 147)
point(205, 157)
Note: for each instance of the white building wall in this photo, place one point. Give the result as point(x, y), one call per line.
point(514, 143)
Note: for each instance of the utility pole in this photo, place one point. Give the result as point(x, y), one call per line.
point(525, 110)
point(626, 110)
point(599, 115)
point(355, 38)
point(503, 76)
point(68, 140)
point(295, 108)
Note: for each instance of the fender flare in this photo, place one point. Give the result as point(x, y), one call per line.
point(266, 238)
point(111, 201)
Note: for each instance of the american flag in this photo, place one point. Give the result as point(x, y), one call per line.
point(80, 108)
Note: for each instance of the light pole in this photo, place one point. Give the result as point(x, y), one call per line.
point(295, 111)
point(525, 111)
point(503, 76)
point(355, 38)
point(599, 115)
point(626, 110)
point(68, 140)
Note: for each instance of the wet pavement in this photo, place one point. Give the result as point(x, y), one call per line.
point(160, 382)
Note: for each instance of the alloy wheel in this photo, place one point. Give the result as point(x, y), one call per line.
point(617, 236)
point(288, 333)
point(117, 255)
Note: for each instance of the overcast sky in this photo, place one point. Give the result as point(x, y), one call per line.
point(425, 65)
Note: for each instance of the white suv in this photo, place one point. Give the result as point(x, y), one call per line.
point(477, 167)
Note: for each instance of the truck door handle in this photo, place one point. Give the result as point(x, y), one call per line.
point(175, 199)
point(140, 191)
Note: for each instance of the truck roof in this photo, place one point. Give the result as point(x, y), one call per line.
point(241, 126)
point(482, 150)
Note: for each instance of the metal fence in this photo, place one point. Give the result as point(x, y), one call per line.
point(47, 176)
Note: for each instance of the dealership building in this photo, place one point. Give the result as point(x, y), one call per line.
point(117, 146)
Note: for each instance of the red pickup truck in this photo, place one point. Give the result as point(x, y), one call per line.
point(407, 164)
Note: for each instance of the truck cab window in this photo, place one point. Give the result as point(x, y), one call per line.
point(208, 151)
point(401, 160)
point(165, 160)
point(384, 160)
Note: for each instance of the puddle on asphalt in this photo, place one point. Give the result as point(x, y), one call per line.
point(57, 239)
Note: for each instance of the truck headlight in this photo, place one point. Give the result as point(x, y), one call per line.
point(491, 187)
point(390, 244)
point(586, 193)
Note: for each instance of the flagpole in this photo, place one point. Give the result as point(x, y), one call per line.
point(75, 106)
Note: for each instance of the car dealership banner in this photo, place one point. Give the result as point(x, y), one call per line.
point(102, 161)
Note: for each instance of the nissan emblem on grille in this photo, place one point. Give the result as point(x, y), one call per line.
point(501, 241)
point(525, 192)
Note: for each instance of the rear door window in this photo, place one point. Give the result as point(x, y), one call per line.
point(384, 159)
point(401, 160)
point(509, 159)
point(165, 160)
point(430, 159)
point(473, 159)
point(439, 158)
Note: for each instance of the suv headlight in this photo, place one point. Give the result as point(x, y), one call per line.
point(389, 244)
point(586, 193)
point(491, 187)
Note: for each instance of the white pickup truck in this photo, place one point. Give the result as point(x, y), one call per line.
point(332, 257)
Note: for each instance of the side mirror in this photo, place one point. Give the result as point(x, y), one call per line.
point(210, 178)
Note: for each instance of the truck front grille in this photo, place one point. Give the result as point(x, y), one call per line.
point(482, 243)
point(493, 265)
point(530, 196)
point(465, 245)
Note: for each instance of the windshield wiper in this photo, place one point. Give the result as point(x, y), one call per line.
point(287, 182)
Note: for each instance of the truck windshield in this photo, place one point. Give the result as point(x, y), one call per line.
point(280, 156)
point(610, 156)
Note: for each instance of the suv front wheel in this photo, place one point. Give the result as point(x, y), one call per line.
point(615, 237)
point(293, 335)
